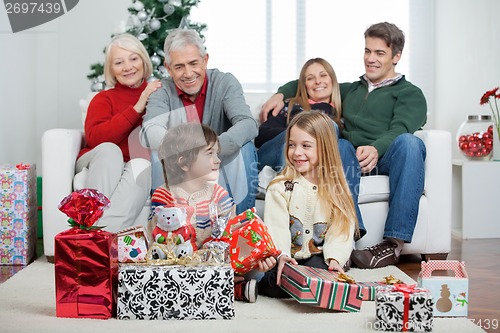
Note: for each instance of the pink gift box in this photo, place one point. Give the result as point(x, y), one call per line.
point(18, 213)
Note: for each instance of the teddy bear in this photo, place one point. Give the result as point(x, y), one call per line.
point(172, 222)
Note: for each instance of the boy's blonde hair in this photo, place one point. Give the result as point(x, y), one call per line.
point(333, 190)
point(183, 141)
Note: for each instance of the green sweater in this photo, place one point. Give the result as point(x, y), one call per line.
point(377, 118)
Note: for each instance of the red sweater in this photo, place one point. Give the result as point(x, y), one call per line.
point(111, 117)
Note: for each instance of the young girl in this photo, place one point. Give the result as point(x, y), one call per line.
point(191, 167)
point(309, 210)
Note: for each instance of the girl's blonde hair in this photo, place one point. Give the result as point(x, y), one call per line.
point(186, 141)
point(130, 43)
point(302, 98)
point(333, 190)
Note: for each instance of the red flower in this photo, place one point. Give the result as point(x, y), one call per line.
point(491, 93)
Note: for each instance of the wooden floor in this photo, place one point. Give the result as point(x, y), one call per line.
point(482, 261)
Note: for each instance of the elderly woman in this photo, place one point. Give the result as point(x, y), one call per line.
point(109, 161)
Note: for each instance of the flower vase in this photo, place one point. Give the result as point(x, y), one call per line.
point(496, 144)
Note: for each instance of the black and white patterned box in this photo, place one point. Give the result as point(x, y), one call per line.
point(402, 308)
point(175, 292)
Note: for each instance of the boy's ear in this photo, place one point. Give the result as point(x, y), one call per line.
point(183, 163)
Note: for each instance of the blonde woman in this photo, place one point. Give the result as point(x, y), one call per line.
point(112, 116)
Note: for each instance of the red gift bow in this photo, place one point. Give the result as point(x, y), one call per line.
point(84, 207)
point(406, 290)
point(21, 166)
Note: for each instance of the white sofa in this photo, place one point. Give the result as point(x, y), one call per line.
point(432, 237)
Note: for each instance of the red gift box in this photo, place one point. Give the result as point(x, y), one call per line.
point(249, 241)
point(86, 271)
point(318, 287)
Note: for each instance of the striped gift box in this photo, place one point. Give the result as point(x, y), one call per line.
point(369, 289)
point(318, 287)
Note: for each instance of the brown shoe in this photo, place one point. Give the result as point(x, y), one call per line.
point(377, 256)
point(246, 291)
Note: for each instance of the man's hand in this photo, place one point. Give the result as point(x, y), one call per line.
point(274, 104)
point(367, 157)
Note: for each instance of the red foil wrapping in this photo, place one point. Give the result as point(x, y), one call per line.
point(86, 260)
point(86, 270)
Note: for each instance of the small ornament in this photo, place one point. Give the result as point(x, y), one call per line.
point(184, 24)
point(138, 6)
point(155, 24)
point(142, 15)
point(176, 3)
point(163, 71)
point(97, 86)
point(133, 21)
point(155, 60)
point(142, 36)
point(169, 9)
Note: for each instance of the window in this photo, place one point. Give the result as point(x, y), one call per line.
point(264, 43)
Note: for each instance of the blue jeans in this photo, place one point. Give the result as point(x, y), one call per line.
point(404, 163)
point(238, 175)
point(272, 153)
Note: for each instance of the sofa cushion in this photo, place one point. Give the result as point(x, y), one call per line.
point(373, 189)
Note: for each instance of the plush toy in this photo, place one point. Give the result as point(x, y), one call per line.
point(172, 222)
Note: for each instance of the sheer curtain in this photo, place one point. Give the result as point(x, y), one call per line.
point(264, 43)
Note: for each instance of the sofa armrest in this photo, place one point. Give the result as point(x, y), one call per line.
point(437, 188)
point(60, 148)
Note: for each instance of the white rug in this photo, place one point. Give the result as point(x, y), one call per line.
point(27, 304)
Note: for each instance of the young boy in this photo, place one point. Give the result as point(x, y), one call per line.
point(191, 167)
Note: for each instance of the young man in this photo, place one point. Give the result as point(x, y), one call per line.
point(381, 112)
point(194, 93)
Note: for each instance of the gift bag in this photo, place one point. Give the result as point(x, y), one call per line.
point(86, 260)
point(450, 293)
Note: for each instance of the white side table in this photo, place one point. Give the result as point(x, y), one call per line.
point(475, 201)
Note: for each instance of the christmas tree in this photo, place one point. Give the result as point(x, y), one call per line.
point(151, 21)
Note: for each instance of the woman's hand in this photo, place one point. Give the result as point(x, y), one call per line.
point(274, 103)
point(282, 260)
point(140, 106)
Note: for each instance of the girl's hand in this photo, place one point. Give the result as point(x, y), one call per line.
point(335, 266)
point(152, 86)
point(282, 260)
point(266, 264)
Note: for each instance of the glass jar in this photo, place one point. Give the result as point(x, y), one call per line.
point(475, 137)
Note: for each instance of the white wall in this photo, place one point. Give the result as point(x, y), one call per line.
point(467, 59)
point(44, 69)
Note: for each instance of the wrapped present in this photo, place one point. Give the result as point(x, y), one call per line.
point(132, 244)
point(320, 287)
point(369, 289)
point(402, 308)
point(450, 293)
point(86, 260)
point(216, 242)
point(175, 292)
point(249, 241)
point(18, 213)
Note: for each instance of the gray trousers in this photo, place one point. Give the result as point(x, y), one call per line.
point(126, 185)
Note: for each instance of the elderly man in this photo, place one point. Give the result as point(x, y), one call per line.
point(194, 93)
